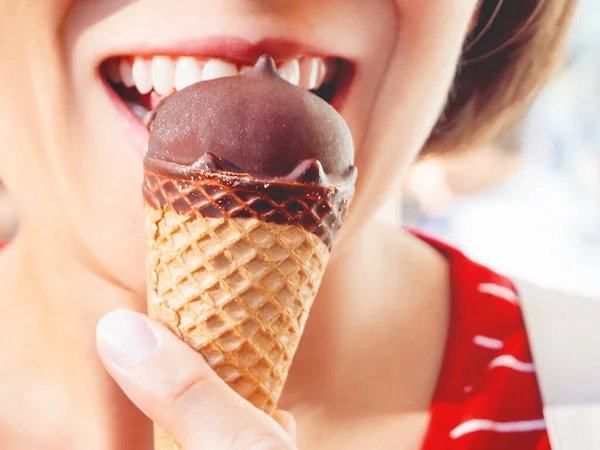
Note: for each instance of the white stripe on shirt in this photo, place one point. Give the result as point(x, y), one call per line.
point(488, 342)
point(472, 426)
point(512, 363)
point(498, 291)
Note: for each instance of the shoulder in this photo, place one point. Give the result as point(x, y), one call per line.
point(473, 282)
point(486, 307)
point(488, 388)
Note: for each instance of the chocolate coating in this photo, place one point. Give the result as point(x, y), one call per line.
point(210, 192)
point(256, 123)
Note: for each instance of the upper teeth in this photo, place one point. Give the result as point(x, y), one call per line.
point(164, 74)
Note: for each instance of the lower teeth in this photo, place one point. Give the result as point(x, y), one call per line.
point(140, 111)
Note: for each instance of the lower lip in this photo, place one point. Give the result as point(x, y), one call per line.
point(133, 126)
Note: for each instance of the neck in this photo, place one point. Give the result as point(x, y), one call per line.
point(385, 293)
point(58, 300)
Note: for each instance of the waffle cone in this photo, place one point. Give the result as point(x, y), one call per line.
point(238, 291)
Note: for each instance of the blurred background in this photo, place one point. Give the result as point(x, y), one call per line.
point(529, 204)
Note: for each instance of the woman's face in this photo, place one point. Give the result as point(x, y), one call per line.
point(72, 148)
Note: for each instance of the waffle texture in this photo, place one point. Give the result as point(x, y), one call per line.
point(236, 290)
point(233, 272)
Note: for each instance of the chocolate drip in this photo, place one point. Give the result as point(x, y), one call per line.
point(210, 162)
point(309, 171)
point(265, 66)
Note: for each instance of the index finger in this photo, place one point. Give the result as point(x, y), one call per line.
point(178, 390)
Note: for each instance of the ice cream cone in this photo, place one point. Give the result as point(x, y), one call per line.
point(246, 183)
point(236, 288)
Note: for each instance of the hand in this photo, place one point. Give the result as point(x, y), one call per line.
point(176, 388)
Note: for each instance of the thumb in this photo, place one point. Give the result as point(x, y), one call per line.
point(177, 389)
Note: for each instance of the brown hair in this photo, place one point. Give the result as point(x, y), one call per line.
point(513, 50)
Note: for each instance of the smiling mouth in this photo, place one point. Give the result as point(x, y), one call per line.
point(143, 81)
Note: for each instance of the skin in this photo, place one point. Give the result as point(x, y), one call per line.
point(8, 219)
point(79, 253)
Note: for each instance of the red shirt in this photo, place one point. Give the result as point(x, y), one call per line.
point(487, 397)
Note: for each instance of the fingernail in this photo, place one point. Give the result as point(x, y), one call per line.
point(125, 338)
